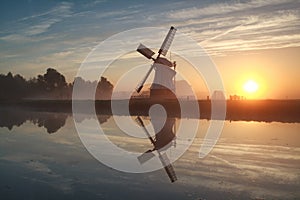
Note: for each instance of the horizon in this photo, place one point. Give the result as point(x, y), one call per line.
point(180, 89)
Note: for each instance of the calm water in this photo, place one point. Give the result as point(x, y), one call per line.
point(42, 157)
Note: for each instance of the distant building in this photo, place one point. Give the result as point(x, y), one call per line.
point(218, 95)
point(236, 97)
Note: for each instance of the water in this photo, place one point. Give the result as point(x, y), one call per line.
point(42, 157)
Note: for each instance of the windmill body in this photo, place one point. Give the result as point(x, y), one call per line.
point(163, 84)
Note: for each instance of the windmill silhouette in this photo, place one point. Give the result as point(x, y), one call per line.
point(163, 85)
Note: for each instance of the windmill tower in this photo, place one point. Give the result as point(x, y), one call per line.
point(163, 86)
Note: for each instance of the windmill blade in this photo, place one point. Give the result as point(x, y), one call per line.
point(146, 156)
point(141, 84)
point(167, 42)
point(168, 167)
point(171, 173)
point(140, 122)
point(148, 53)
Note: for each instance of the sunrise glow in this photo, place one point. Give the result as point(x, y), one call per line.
point(250, 86)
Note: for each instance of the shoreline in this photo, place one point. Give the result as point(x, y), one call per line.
point(287, 111)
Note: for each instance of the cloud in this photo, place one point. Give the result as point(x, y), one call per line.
point(268, 31)
point(39, 23)
point(63, 54)
point(220, 9)
point(232, 26)
point(41, 27)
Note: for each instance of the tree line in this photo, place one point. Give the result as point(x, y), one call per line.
point(51, 85)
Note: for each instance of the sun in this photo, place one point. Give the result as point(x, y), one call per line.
point(250, 86)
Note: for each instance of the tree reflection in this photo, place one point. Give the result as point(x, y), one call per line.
point(51, 121)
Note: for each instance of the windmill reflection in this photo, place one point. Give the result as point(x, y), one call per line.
point(163, 140)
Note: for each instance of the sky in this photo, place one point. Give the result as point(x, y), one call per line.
point(247, 40)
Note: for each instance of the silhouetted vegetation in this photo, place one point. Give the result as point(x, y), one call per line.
point(103, 88)
point(51, 85)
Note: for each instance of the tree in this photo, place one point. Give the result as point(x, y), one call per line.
point(104, 89)
point(54, 79)
point(12, 87)
point(51, 85)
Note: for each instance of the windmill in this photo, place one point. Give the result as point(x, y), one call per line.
point(161, 142)
point(163, 85)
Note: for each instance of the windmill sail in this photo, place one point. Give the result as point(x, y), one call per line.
point(148, 53)
point(141, 84)
point(146, 156)
point(167, 42)
point(168, 167)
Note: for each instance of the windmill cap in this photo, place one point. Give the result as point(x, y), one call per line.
point(164, 61)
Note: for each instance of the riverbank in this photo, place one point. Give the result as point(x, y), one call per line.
point(245, 110)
